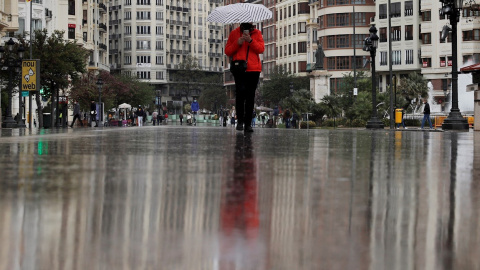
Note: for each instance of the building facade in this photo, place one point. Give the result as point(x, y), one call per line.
point(149, 39)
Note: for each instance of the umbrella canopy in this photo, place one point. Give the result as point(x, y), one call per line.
point(124, 106)
point(240, 13)
point(265, 109)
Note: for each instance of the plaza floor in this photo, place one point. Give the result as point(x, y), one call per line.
point(183, 197)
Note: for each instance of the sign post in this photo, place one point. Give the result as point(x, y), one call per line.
point(31, 75)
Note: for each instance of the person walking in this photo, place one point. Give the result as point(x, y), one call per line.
point(139, 114)
point(254, 118)
point(286, 118)
point(181, 119)
point(154, 117)
point(294, 120)
point(76, 114)
point(426, 114)
point(166, 118)
point(131, 116)
point(93, 113)
point(245, 43)
point(263, 120)
point(195, 107)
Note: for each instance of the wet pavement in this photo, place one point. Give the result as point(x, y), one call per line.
point(180, 197)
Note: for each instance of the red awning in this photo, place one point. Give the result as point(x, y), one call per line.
point(471, 68)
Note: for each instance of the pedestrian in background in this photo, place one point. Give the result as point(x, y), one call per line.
point(139, 117)
point(93, 113)
point(244, 45)
point(154, 117)
point(166, 118)
point(76, 114)
point(181, 119)
point(254, 118)
point(131, 116)
point(426, 114)
point(286, 118)
point(294, 120)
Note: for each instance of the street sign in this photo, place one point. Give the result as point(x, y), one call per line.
point(31, 75)
point(63, 100)
point(24, 93)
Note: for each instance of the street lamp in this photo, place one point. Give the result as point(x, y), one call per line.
point(100, 116)
point(455, 120)
point(371, 44)
point(14, 65)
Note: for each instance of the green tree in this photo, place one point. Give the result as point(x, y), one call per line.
point(412, 87)
point(62, 62)
point(188, 77)
point(299, 102)
point(277, 88)
point(213, 96)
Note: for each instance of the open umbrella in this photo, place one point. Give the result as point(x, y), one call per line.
point(265, 109)
point(124, 106)
point(240, 13)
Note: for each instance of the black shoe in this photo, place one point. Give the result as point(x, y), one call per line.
point(248, 129)
point(240, 126)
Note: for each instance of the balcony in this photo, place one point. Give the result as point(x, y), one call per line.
point(113, 51)
point(102, 26)
point(113, 8)
point(103, 8)
point(102, 46)
point(115, 36)
point(113, 22)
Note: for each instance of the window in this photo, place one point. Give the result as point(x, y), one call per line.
point(408, 8)
point(331, 63)
point(302, 27)
point(143, 45)
point(143, 74)
point(159, 2)
point(396, 33)
point(85, 36)
point(143, 2)
point(294, 45)
point(330, 42)
point(408, 32)
point(294, 7)
point(443, 62)
point(343, 19)
point(71, 7)
point(396, 57)
point(143, 30)
point(468, 35)
point(128, 60)
point(395, 10)
point(159, 30)
point(303, 8)
point(160, 75)
point(128, 15)
point(143, 15)
point(294, 29)
point(289, 49)
point(302, 47)
point(383, 34)
point(382, 11)
point(427, 38)
point(427, 16)
point(159, 16)
point(143, 59)
point(128, 30)
point(383, 59)
point(343, 41)
point(128, 2)
point(343, 62)
point(360, 18)
point(426, 62)
point(128, 45)
point(409, 57)
point(71, 32)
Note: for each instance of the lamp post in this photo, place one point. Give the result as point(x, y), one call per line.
point(455, 120)
point(100, 116)
point(13, 64)
point(371, 44)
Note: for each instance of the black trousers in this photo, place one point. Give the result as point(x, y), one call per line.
point(245, 87)
point(75, 118)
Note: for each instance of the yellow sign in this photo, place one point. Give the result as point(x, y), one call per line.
point(31, 75)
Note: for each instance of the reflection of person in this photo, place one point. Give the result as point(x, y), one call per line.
point(239, 211)
point(76, 114)
point(242, 40)
point(426, 114)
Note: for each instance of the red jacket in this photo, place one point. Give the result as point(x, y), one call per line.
point(237, 52)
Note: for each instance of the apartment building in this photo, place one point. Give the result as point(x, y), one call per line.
point(8, 17)
point(342, 27)
point(150, 38)
point(94, 32)
point(436, 54)
point(405, 33)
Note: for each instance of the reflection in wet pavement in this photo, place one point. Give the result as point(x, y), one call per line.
point(211, 198)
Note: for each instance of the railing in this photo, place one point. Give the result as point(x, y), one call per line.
point(103, 7)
